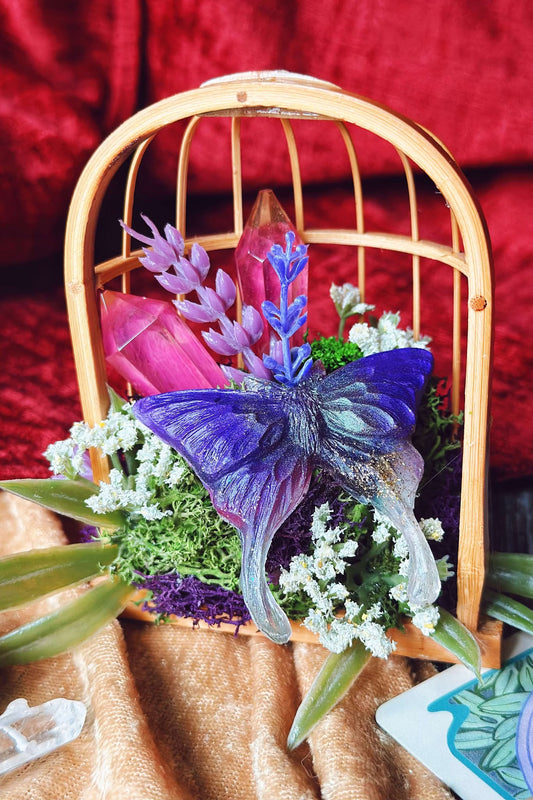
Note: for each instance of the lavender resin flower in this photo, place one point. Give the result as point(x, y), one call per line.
point(213, 302)
point(234, 338)
point(167, 253)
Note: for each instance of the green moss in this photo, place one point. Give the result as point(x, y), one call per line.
point(192, 540)
point(334, 353)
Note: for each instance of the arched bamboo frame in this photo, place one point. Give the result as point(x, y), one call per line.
point(286, 96)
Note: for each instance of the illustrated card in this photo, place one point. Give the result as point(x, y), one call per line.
point(477, 737)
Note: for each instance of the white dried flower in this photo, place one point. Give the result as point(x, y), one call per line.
point(399, 592)
point(386, 336)
point(388, 322)
point(365, 337)
point(316, 622)
point(177, 472)
point(61, 458)
point(425, 619)
point(352, 609)
point(153, 512)
point(338, 636)
point(403, 567)
point(347, 300)
point(374, 638)
point(401, 548)
point(113, 495)
point(432, 529)
point(381, 533)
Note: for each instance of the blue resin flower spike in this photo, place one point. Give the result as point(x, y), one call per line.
point(255, 450)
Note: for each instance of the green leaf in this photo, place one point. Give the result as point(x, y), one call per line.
point(506, 728)
point(470, 699)
point(66, 627)
point(501, 755)
point(505, 704)
point(508, 610)
point(473, 740)
point(338, 673)
point(35, 573)
point(511, 572)
point(513, 776)
point(116, 402)
point(507, 681)
point(65, 497)
point(525, 676)
point(473, 722)
point(455, 637)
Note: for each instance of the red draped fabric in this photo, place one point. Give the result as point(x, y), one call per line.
point(71, 72)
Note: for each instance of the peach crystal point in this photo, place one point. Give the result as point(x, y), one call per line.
point(267, 225)
point(151, 347)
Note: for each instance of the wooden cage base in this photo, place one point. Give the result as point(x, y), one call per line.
point(410, 642)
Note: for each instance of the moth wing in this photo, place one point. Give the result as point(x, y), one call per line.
point(368, 413)
point(372, 403)
point(239, 445)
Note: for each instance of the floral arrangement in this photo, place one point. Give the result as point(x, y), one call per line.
point(275, 481)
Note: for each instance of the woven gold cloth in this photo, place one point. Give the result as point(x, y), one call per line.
point(176, 714)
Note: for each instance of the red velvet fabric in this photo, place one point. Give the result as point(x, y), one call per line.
point(71, 72)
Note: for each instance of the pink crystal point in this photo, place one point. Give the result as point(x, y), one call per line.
point(267, 225)
point(147, 344)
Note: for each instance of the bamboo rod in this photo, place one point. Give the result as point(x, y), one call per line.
point(358, 198)
point(409, 642)
point(415, 260)
point(296, 176)
point(108, 270)
point(181, 181)
point(456, 343)
point(236, 175)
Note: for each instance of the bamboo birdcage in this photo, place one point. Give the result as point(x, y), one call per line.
point(286, 97)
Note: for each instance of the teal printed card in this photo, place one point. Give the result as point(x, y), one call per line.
point(477, 737)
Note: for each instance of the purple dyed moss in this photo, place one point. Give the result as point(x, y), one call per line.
point(88, 533)
point(189, 597)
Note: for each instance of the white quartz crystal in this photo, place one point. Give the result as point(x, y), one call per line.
point(29, 733)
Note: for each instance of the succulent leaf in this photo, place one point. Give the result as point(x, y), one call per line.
point(65, 497)
point(35, 573)
point(508, 610)
point(336, 676)
point(455, 637)
point(511, 572)
point(66, 627)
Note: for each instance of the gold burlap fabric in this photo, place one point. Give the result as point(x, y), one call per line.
point(177, 714)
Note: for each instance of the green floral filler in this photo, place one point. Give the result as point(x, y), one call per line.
point(355, 587)
point(191, 540)
point(349, 585)
point(435, 427)
point(171, 525)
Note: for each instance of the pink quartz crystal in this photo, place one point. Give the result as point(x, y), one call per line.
point(267, 225)
point(147, 344)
